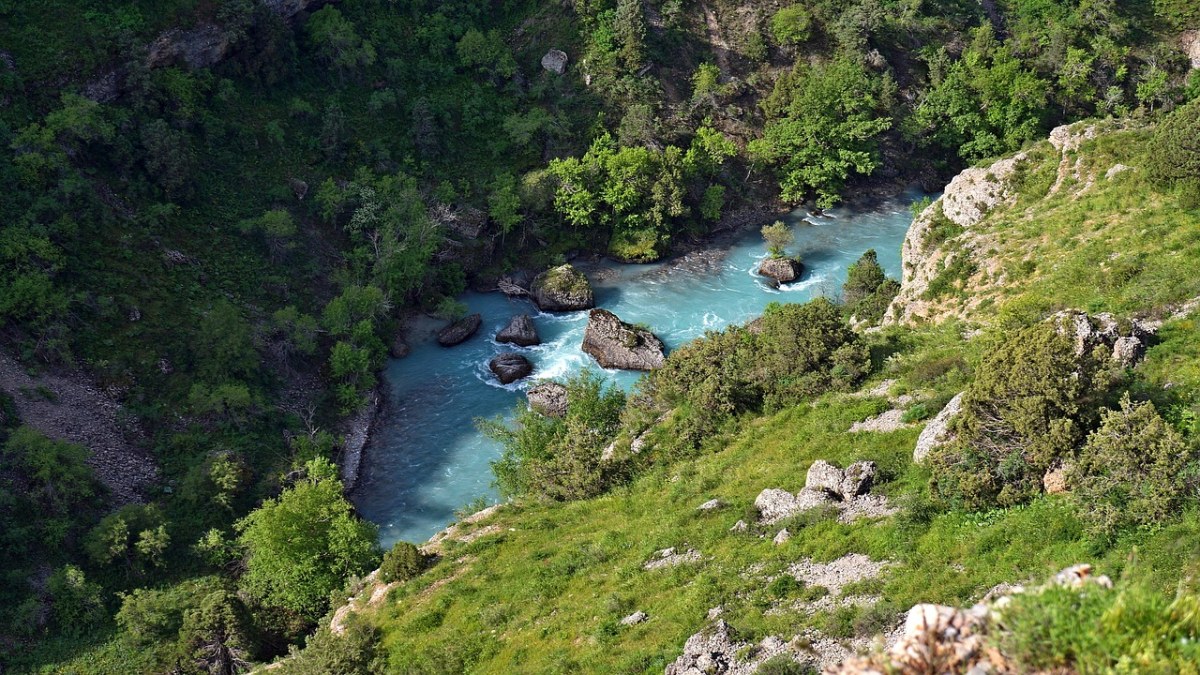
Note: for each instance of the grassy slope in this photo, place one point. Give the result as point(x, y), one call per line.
point(546, 593)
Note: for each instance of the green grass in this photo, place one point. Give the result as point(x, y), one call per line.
point(546, 593)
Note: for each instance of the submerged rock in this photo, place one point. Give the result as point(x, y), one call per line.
point(616, 344)
point(562, 289)
point(548, 398)
point(399, 347)
point(782, 270)
point(510, 367)
point(459, 331)
point(519, 331)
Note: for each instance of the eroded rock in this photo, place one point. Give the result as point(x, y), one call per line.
point(510, 367)
point(548, 398)
point(937, 431)
point(782, 270)
point(519, 331)
point(459, 331)
point(562, 289)
point(616, 344)
point(555, 61)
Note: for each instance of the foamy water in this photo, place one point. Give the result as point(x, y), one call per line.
point(427, 459)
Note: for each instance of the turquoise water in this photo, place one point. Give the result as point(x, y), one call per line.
point(426, 458)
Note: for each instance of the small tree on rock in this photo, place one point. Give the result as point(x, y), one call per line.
point(778, 237)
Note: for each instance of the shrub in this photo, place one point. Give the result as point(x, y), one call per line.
point(402, 563)
point(867, 291)
point(560, 457)
point(791, 25)
point(778, 237)
point(1019, 417)
point(1173, 159)
point(1134, 469)
point(805, 350)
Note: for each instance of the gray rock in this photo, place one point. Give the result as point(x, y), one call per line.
point(937, 431)
point(459, 331)
point(510, 367)
point(858, 478)
point(669, 557)
point(739, 526)
point(783, 537)
point(711, 505)
point(634, 619)
point(548, 398)
point(1127, 351)
point(555, 61)
point(774, 504)
point(200, 47)
point(782, 270)
point(712, 650)
point(562, 289)
point(616, 344)
point(825, 477)
point(519, 331)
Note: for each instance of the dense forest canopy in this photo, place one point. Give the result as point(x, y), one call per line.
point(222, 210)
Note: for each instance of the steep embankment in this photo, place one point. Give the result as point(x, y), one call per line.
point(1071, 222)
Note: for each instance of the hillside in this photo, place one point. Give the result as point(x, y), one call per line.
point(618, 582)
point(221, 220)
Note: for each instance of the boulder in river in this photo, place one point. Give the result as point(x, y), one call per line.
point(782, 270)
point(519, 331)
point(459, 331)
point(548, 398)
point(616, 344)
point(563, 289)
point(510, 367)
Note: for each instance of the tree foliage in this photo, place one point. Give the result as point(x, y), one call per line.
point(305, 543)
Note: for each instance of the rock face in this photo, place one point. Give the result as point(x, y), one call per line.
point(937, 431)
point(459, 331)
point(510, 367)
point(203, 46)
point(616, 344)
point(965, 202)
point(519, 331)
point(1191, 46)
point(1103, 331)
point(555, 61)
point(826, 485)
point(782, 270)
point(562, 289)
point(548, 398)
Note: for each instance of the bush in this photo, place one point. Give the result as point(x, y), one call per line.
point(778, 237)
point(560, 457)
point(1173, 159)
point(402, 563)
point(791, 25)
point(1135, 469)
point(1019, 417)
point(867, 291)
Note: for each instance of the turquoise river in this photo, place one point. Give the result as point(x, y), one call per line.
point(426, 459)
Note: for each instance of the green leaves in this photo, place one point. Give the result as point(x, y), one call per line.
point(303, 545)
point(821, 128)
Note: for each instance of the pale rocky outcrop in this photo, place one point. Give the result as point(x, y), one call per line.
point(555, 61)
point(616, 344)
point(937, 431)
point(510, 367)
point(844, 490)
point(1191, 46)
point(459, 331)
point(634, 619)
point(562, 289)
point(548, 398)
point(1089, 332)
point(669, 557)
point(966, 201)
point(519, 331)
